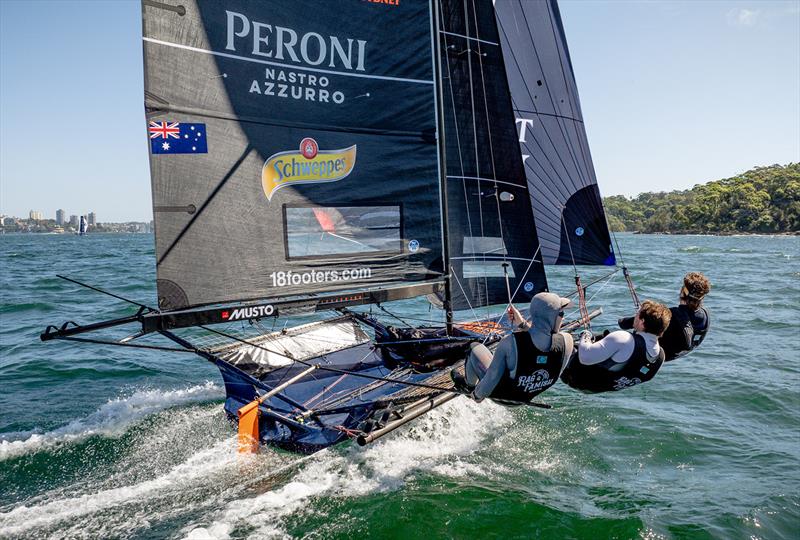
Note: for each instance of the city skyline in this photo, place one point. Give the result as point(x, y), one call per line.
point(673, 94)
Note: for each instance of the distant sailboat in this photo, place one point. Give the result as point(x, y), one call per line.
point(82, 227)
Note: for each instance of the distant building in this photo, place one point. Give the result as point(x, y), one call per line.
point(60, 214)
point(73, 220)
point(8, 221)
point(92, 219)
point(36, 215)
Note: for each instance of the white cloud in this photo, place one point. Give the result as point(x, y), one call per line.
point(743, 17)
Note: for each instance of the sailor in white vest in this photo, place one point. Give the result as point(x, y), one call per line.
point(525, 363)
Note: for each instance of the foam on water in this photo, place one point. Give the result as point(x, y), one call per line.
point(24, 519)
point(437, 442)
point(111, 419)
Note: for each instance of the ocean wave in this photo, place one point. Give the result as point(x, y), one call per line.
point(437, 442)
point(26, 306)
point(205, 464)
point(112, 418)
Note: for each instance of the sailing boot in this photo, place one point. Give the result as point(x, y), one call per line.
point(460, 382)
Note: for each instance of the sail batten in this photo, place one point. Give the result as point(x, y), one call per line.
point(558, 163)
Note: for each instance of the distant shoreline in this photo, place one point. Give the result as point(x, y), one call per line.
point(721, 233)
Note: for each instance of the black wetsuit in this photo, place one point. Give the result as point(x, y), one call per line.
point(605, 377)
point(687, 329)
point(536, 370)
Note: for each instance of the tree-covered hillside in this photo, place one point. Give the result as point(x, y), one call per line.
point(762, 200)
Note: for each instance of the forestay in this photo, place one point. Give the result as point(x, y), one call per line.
point(290, 154)
point(569, 212)
point(490, 217)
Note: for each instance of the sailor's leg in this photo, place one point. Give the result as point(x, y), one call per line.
point(478, 362)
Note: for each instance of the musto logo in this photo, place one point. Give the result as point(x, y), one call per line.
point(537, 381)
point(249, 312)
point(309, 165)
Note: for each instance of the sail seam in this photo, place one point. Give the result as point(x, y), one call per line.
point(561, 127)
point(469, 37)
point(544, 128)
point(550, 114)
point(498, 257)
point(288, 66)
point(482, 179)
point(570, 95)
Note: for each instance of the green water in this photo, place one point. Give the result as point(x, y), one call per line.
point(102, 442)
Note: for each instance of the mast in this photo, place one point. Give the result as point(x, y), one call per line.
point(447, 303)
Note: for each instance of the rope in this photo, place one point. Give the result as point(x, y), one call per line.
point(582, 303)
point(631, 287)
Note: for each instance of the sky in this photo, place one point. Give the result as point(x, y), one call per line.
point(674, 93)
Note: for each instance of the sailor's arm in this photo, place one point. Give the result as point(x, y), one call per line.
point(594, 353)
point(497, 369)
point(569, 345)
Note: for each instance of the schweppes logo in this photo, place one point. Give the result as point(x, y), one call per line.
point(308, 166)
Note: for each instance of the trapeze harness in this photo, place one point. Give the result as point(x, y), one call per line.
point(536, 370)
point(691, 330)
point(599, 377)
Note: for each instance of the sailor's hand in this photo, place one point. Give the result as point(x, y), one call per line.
point(587, 336)
point(515, 316)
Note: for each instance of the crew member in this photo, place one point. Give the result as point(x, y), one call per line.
point(621, 359)
point(690, 321)
point(525, 363)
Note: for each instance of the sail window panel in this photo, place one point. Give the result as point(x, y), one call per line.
point(333, 231)
point(489, 245)
point(486, 269)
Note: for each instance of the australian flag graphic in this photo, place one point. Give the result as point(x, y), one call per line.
point(176, 138)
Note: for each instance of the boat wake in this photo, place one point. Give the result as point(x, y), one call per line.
point(182, 473)
point(111, 419)
point(435, 443)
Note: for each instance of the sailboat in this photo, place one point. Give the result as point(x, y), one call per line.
point(375, 152)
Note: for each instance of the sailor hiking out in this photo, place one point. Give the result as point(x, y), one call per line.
point(621, 359)
point(525, 363)
point(690, 321)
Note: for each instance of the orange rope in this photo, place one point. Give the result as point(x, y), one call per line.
point(585, 321)
point(631, 287)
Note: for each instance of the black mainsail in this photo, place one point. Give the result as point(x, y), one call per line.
point(490, 218)
point(569, 212)
point(290, 154)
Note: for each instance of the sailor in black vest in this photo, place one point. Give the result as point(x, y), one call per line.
point(621, 359)
point(527, 362)
point(690, 321)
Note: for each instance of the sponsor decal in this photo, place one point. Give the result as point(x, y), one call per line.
point(248, 312)
point(579, 231)
point(176, 138)
point(309, 165)
point(413, 246)
point(624, 382)
point(528, 286)
point(284, 47)
point(289, 278)
point(384, 2)
point(537, 381)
